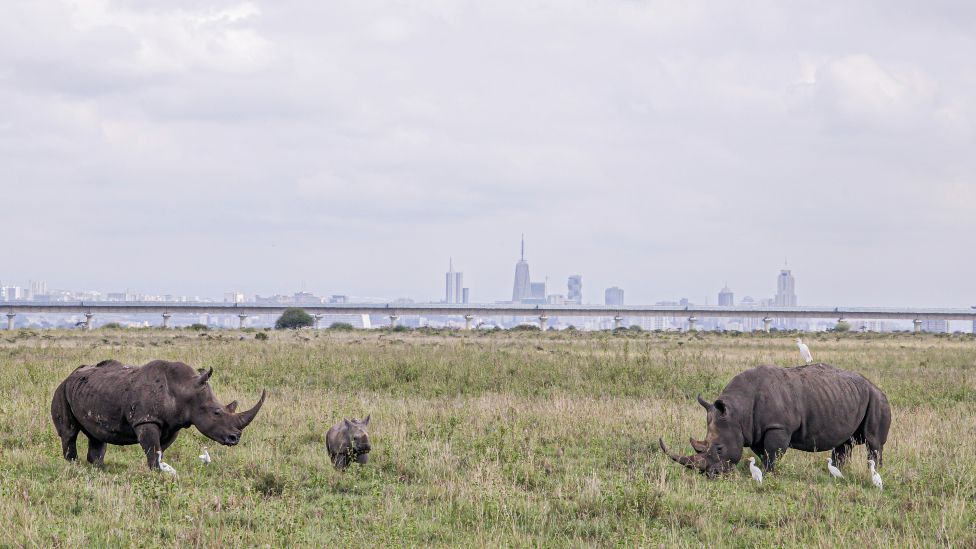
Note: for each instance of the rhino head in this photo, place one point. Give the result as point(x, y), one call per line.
point(216, 421)
point(722, 447)
point(358, 438)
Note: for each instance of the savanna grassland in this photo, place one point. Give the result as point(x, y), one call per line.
point(486, 439)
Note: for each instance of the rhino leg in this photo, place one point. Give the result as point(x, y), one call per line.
point(775, 443)
point(875, 452)
point(340, 461)
point(96, 452)
point(148, 434)
point(65, 424)
point(842, 453)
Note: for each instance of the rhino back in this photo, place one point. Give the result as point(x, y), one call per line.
point(110, 399)
point(819, 405)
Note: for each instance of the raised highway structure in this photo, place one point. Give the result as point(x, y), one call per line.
point(469, 312)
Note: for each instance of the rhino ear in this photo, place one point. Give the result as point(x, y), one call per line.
point(721, 407)
point(347, 423)
point(704, 403)
point(232, 407)
point(204, 377)
point(366, 421)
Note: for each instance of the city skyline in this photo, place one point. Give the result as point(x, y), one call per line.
point(196, 148)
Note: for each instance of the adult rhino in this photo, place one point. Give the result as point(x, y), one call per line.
point(112, 403)
point(768, 409)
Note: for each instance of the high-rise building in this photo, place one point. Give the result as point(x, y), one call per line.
point(537, 290)
point(613, 296)
point(785, 290)
point(464, 295)
point(575, 293)
point(453, 287)
point(725, 297)
point(521, 289)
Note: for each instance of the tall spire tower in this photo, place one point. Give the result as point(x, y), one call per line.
point(522, 287)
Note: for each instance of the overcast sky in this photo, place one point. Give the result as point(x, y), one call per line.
point(195, 147)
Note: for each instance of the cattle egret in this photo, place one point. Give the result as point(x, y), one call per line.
point(834, 472)
point(756, 471)
point(875, 477)
point(205, 456)
point(804, 351)
point(165, 467)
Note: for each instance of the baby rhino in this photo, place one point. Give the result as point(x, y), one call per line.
point(347, 441)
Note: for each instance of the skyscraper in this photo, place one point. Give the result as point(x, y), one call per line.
point(453, 285)
point(613, 296)
point(522, 288)
point(785, 293)
point(725, 297)
point(575, 293)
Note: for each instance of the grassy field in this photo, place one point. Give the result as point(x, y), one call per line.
point(486, 439)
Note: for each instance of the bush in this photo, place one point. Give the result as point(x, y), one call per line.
point(261, 336)
point(842, 326)
point(112, 326)
point(198, 327)
point(342, 327)
point(294, 318)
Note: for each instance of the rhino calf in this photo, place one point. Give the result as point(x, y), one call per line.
point(112, 403)
point(348, 441)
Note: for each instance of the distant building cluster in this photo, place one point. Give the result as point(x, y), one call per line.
point(524, 292)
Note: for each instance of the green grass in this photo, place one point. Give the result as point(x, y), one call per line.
point(485, 439)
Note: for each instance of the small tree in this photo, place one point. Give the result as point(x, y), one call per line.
point(294, 318)
point(842, 326)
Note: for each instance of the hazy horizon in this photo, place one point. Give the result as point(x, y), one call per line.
point(195, 148)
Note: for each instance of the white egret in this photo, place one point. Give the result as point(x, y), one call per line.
point(834, 472)
point(875, 477)
point(804, 351)
point(205, 456)
point(756, 471)
point(164, 467)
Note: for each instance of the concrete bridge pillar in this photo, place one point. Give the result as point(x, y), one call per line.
point(242, 318)
point(10, 320)
point(393, 319)
point(467, 321)
point(542, 321)
point(767, 322)
point(88, 320)
point(918, 325)
point(166, 317)
point(317, 318)
point(618, 321)
point(691, 323)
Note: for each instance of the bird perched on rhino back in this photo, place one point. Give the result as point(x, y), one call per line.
point(348, 441)
point(112, 403)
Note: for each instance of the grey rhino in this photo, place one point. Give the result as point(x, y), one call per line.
point(768, 409)
point(116, 404)
point(347, 441)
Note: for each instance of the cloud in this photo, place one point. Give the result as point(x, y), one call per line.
point(663, 147)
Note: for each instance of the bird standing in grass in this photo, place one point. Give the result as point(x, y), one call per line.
point(834, 472)
point(165, 467)
point(804, 351)
point(205, 456)
point(756, 471)
point(875, 477)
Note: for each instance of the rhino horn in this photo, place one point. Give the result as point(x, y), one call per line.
point(246, 417)
point(698, 445)
point(696, 461)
